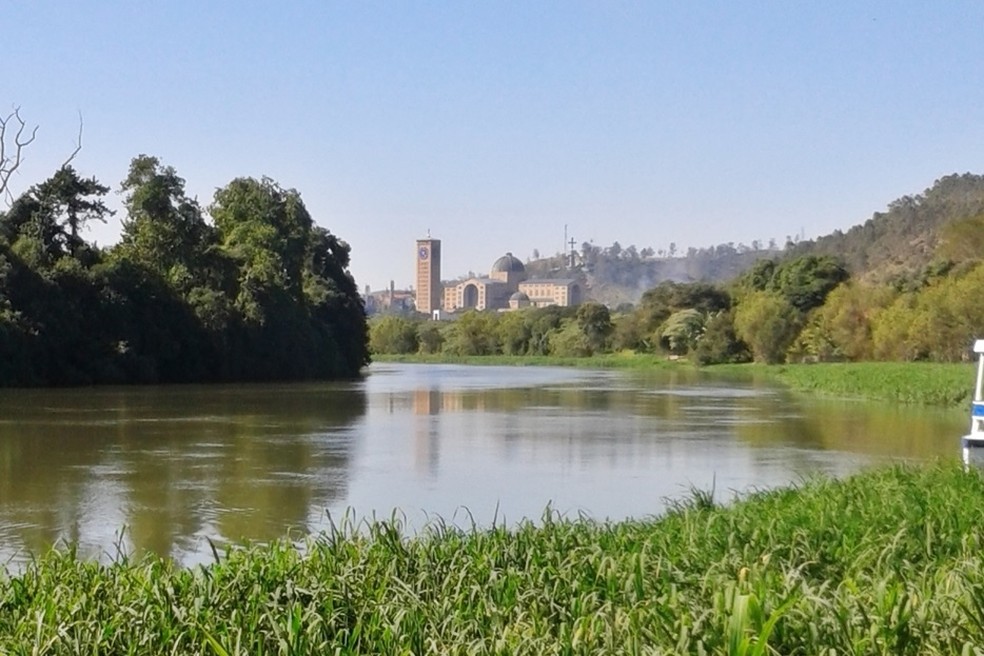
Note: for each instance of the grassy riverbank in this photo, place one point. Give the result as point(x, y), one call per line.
point(926, 383)
point(890, 561)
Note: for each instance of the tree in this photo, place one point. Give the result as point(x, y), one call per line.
point(513, 333)
point(806, 281)
point(962, 241)
point(848, 316)
point(430, 337)
point(681, 331)
point(768, 323)
point(569, 341)
point(627, 332)
point(543, 322)
point(658, 303)
point(266, 229)
point(164, 229)
point(334, 303)
point(52, 214)
point(394, 335)
point(473, 334)
point(719, 343)
point(595, 323)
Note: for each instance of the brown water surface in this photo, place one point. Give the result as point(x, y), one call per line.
point(167, 469)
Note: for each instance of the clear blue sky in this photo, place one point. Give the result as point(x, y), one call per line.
point(493, 124)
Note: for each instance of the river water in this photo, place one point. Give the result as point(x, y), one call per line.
point(169, 469)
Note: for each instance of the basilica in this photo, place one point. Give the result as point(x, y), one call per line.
point(507, 287)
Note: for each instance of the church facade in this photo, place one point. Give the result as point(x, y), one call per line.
point(507, 287)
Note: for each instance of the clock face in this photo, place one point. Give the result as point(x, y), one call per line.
point(423, 253)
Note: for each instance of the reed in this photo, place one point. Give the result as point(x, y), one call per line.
point(886, 562)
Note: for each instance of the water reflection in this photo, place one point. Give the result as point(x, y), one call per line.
point(611, 444)
point(171, 465)
point(178, 465)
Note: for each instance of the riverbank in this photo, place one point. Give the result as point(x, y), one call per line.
point(924, 383)
point(624, 360)
point(888, 561)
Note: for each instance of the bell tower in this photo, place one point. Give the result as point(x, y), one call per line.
point(428, 275)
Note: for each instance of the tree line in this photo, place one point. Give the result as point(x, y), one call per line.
point(249, 288)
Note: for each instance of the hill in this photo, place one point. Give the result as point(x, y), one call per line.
point(939, 226)
point(908, 237)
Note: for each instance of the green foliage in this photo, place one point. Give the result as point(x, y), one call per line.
point(888, 561)
point(937, 323)
point(719, 343)
point(768, 323)
point(963, 240)
point(923, 383)
point(570, 342)
point(803, 281)
point(806, 281)
point(661, 301)
point(176, 300)
point(473, 333)
point(430, 337)
point(164, 229)
point(595, 324)
point(680, 333)
point(627, 332)
point(542, 323)
point(847, 318)
point(514, 332)
point(53, 213)
point(393, 334)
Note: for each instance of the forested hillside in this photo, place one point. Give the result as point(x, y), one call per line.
point(617, 275)
point(909, 240)
point(257, 293)
point(906, 238)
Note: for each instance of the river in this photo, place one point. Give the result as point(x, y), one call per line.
point(169, 469)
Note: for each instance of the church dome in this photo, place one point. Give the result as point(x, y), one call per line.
point(519, 296)
point(508, 264)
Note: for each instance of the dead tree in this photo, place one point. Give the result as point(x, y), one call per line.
point(13, 141)
point(14, 138)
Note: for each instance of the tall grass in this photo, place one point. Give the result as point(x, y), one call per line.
point(888, 562)
point(927, 383)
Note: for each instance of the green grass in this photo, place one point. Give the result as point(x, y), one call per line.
point(926, 383)
point(887, 562)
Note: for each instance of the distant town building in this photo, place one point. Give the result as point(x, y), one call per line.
point(389, 300)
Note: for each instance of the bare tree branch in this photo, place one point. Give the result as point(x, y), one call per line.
point(10, 163)
point(78, 144)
